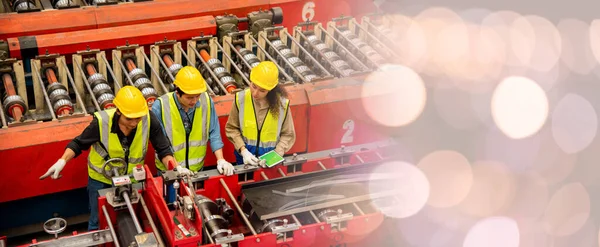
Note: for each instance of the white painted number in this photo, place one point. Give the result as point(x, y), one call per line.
point(308, 11)
point(349, 127)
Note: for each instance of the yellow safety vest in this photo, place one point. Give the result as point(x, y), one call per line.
point(188, 151)
point(110, 141)
point(263, 140)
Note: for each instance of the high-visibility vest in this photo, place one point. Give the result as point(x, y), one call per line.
point(110, 141)
point(259, 141)
point(189, 151)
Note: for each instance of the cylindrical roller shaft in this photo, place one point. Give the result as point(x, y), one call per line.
point(100, 88)
point(59, 97)
point(133, 216)
point(171, 70)
point(15, 105)
point(225, 78)
point(141, 81)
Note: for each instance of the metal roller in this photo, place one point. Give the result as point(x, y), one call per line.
point(23, 5)
point(320, 50)
point(57, 4)
point(247, 55)
point(216, 224)
point(225, 78)
point(102, 91)
point(141, 81)
point(173, 68)
point(58, 95)
point(13, 104)
point(362, 46)
point(288, 55)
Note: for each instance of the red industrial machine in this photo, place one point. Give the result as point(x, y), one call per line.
point(60, 61)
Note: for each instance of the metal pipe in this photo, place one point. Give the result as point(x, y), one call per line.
point(314, 216)
point(379, 32)
point(160, 60)
point(110, 226)
point(123, 68)
point(234, 49)
point(285, 60)
point(237, 206)
point(44, 90)
point(281, 172)
point(308, 54)
point(360, 159)
point(217, 81)
point(77, 96)
point(151, 221)
point(264, 176)
point(162, 84)
point(208, 235)
point(87, 85)
point(374, 38)
point(133, 216)
point(358, 208)
point(190, 63)
point(352, 44)
point(364, 66)
point(287, 76)
point(326, 60)
point(117, 84)
point(321, 165)
point(233, 64)
point(296, 220)
point(379, 155)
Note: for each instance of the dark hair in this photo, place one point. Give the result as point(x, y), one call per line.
point(274, 99)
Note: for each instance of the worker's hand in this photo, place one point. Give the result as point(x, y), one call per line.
point(184, 171)
point(249, 158)
point(224, 167)
point(55, 169)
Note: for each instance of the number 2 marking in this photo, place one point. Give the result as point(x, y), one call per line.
point(349, 127)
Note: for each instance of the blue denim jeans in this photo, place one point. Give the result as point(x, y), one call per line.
point(92, 188)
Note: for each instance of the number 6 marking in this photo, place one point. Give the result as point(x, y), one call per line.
point(308, 9)
point(349, 127)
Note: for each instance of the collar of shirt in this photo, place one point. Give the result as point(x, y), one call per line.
point(190, 111)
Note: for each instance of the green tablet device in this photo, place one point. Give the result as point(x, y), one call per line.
point(272, 158)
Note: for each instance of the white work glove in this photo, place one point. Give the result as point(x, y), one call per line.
point(55, 169)
point(249, 158)
point(184, 171)
point(224, 167)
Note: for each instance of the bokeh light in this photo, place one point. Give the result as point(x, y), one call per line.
point(493, 232)
point(519, 107)
point(450, 177)
point(574, 123)
point(394, 95)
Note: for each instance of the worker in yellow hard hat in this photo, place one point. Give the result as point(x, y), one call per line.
point(115, 133)
point(189, 119)
point(260, 120)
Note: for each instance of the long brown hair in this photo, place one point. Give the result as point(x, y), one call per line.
point(274, 98)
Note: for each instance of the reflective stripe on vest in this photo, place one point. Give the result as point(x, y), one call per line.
point(175, 130)
point(110, 141)
point(271, 127)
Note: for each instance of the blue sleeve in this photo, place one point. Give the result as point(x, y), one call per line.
point(157, 110)
point(216, 142)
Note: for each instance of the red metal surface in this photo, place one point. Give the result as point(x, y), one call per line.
point(110, 38)
point(27, 24)
point(336, 112)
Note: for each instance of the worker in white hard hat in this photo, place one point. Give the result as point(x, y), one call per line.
point(123, 133)
point(260, 120)
point(189, 119)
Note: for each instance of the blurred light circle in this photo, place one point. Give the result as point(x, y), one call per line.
point(450, 177)
point(394, 95)
point(493, 232)
point(519, 107)
point(574, 123)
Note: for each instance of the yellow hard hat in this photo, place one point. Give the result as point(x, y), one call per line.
point(190, 81)
point(265, 75)
point(131, 102)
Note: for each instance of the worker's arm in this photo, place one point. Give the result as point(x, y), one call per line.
point(214, 132)
point(232, 128)
point(287, 136)
point(159, 140)
point(89, 136)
